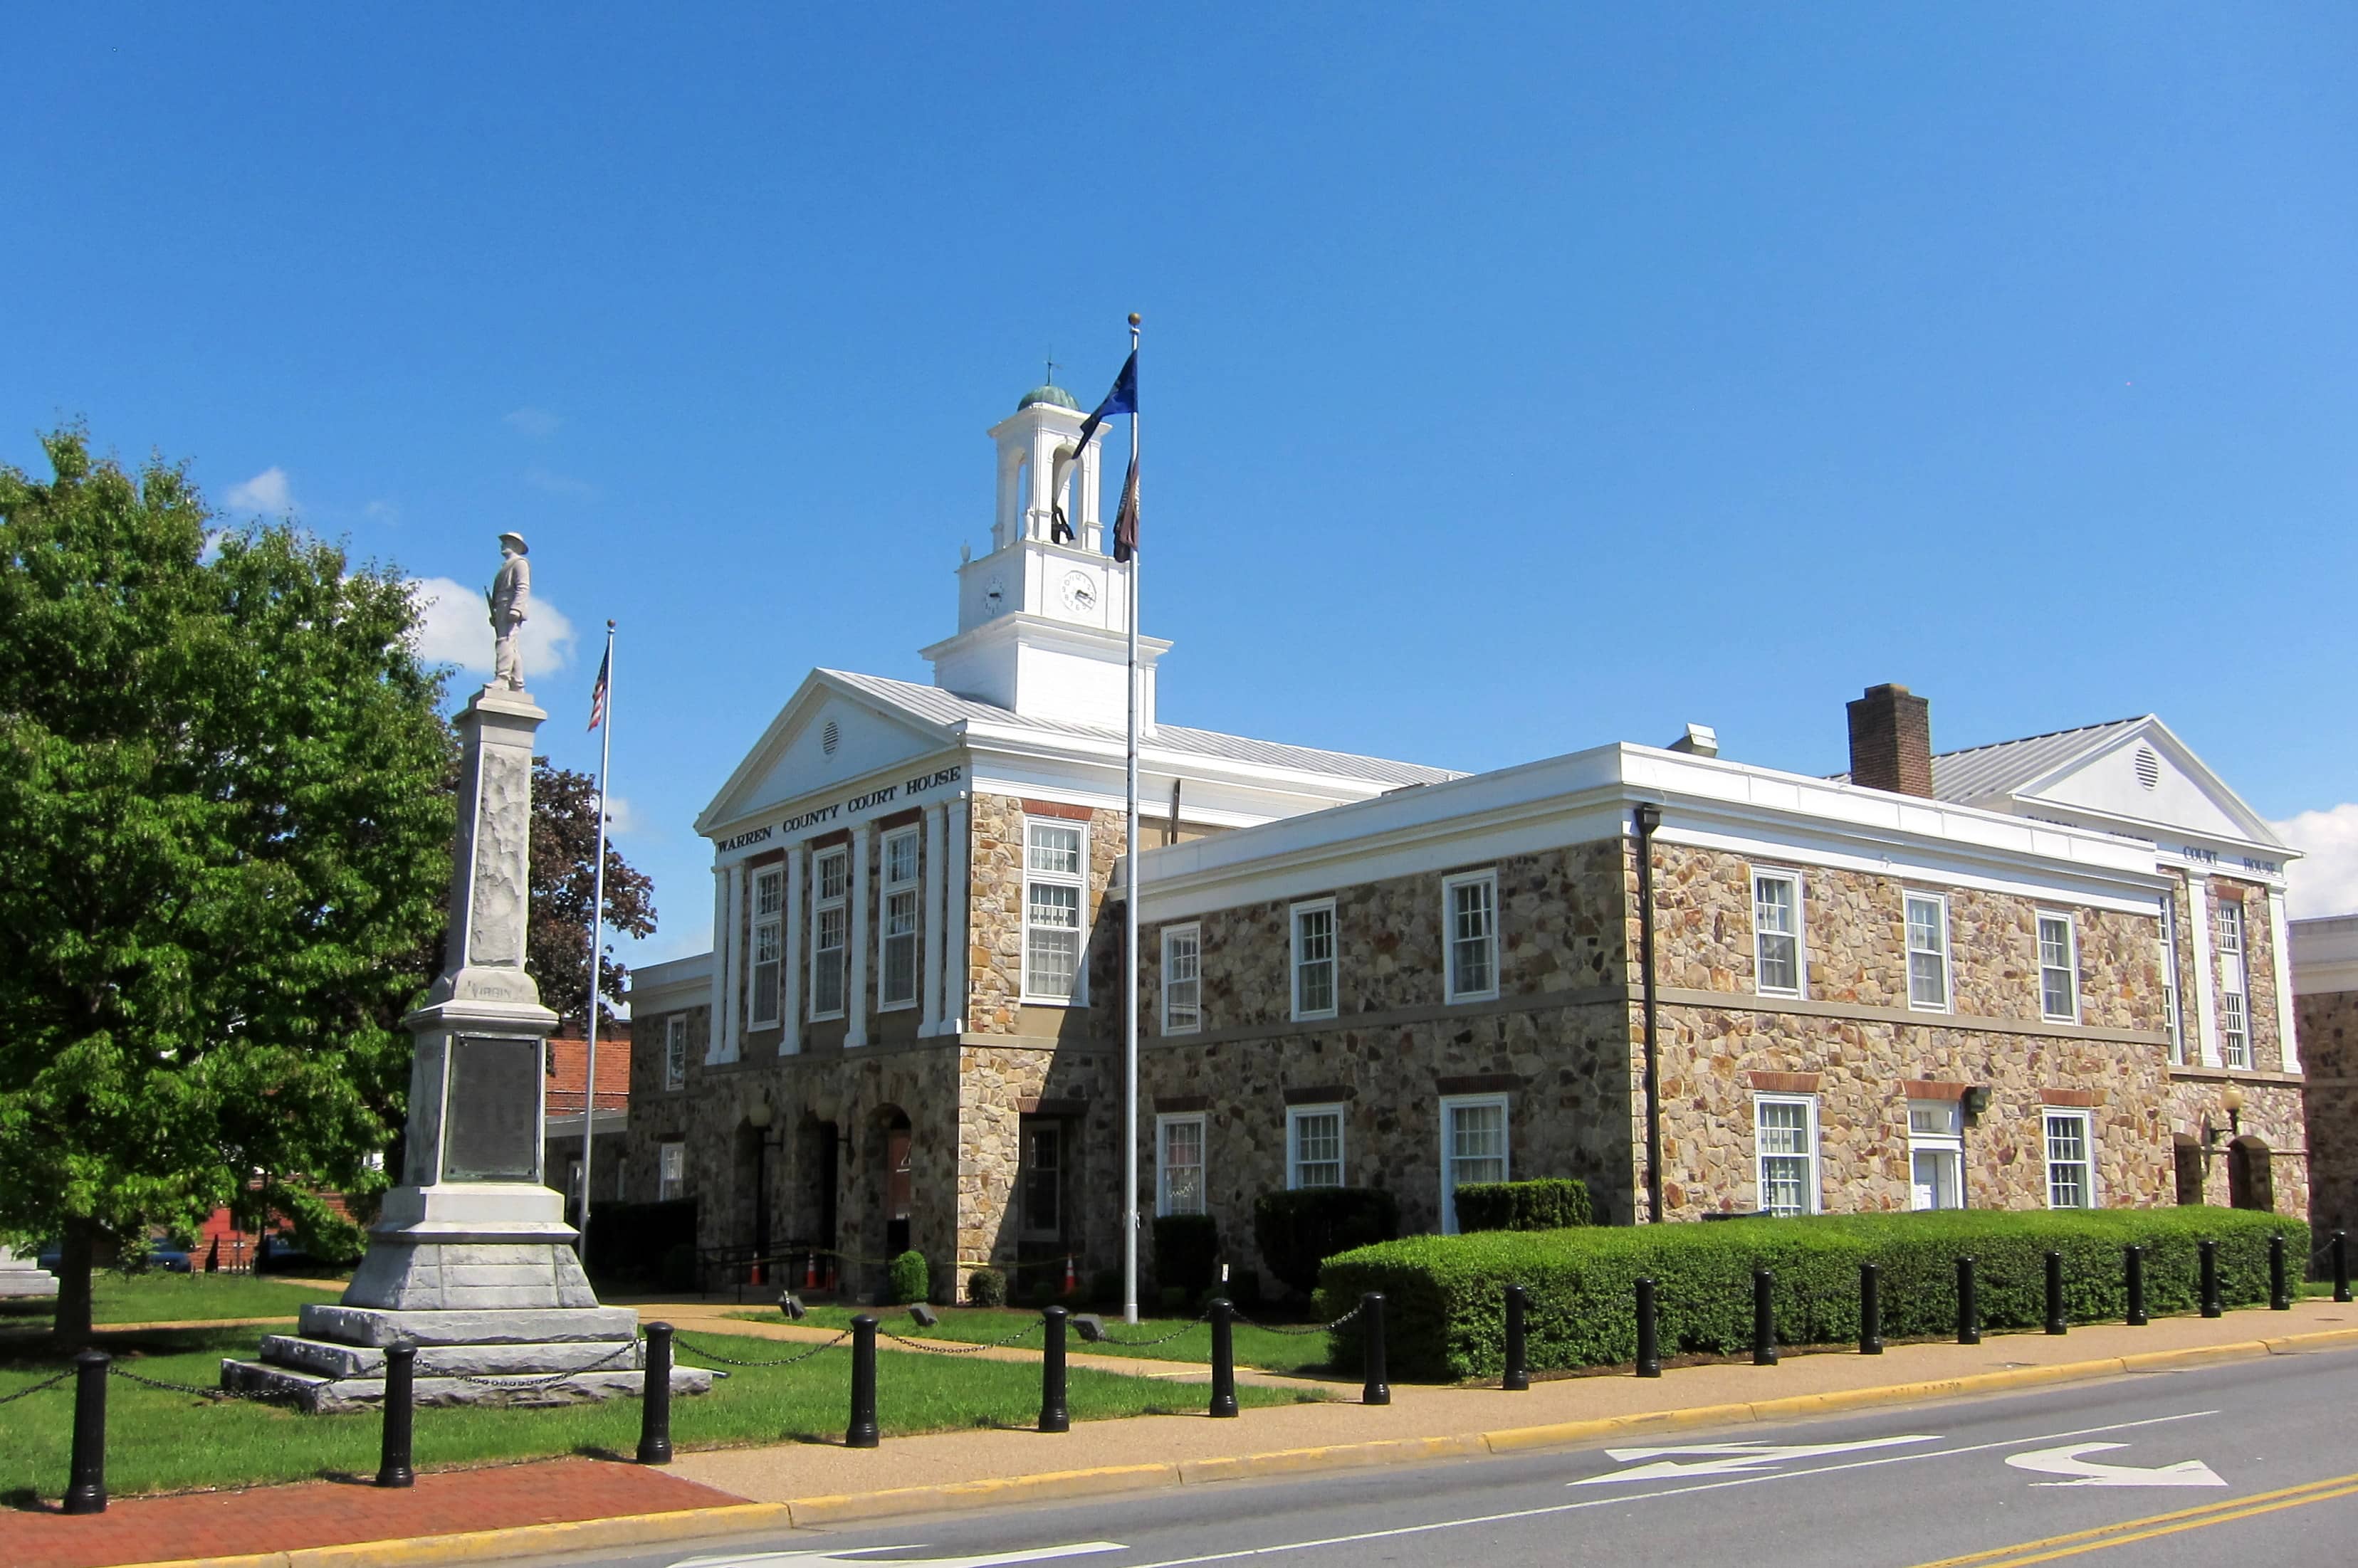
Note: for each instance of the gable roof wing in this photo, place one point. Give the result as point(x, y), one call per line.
point(818, 688)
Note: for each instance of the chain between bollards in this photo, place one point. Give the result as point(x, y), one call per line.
point(1649, 1332)
point(1224, 1358)
point(862, 1432)
point(1764, 1318)
point(393, 1467)
point(2279, 1287)
point(1969, 1316)
point(1375, 1387)
point(1054, 1416)
point(2132, 1264)
point(2208, 1252)
point(86, 1483)
point(655, 1398)
point(2056, 1320)
point(1870, 1309)
point(1517, 1378)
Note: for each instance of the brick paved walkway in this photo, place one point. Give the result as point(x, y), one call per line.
point(330, 1513)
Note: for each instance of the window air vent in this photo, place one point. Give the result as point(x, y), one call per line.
point(2149, 767)
point(832, 736)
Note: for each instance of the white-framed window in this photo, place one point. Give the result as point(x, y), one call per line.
point(1936, 1154)
point(2169, 980)
point(1785, 1141)
point(1055, 866)
point(1182, 979)
point(898, 979)
point(2059, 968)
point(671, 1171)
point(675, 1051)
point(2235, 1029)
point(1314, 959)
point(1179, 1163)
point(830, 931)
point(1469, 911)
point(769, 947)
point(1473, 1148)
point(1777, 933)
point(2071, 1166)
point(1314, 1146)
point(1927, 952)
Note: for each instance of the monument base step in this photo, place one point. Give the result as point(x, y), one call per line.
point(317, 1395)
point(380, 1326)
point(17, 1284)
point(329, 1359)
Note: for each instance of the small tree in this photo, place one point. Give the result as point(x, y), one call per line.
point(564, 857)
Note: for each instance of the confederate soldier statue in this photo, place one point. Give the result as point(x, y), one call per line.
point(510, 598)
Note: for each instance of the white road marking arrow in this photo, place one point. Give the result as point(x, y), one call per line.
point(2066, 1461)
point(866, 1557)
point(1720, 1458)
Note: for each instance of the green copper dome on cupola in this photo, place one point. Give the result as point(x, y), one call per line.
point(1051, 393)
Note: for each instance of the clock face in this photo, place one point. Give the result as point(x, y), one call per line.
point(994, 598)
point(1080, 593)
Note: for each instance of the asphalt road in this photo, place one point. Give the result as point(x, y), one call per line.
point(2250, 1461)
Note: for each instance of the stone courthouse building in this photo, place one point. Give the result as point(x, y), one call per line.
point(2045, 971)
point(2325, 999)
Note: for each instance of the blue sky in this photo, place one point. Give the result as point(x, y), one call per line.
point(1515, 379)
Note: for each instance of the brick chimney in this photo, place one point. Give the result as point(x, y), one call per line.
point(1891, 741)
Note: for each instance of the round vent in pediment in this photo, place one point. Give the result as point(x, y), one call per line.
point(832, 736)
point(2149, 767)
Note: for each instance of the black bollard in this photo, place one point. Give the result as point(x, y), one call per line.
point(1054, 1416)
point(1517, 1378)
point(655, 1398)
point(1224, 1358)
point(1870, 1309)
point(1649, 1332)
point(2056, 1322)
point(1764, 1318)
point(1375, 1387)
point(2339, 1246)
point(2133, 1260)
point(86, 1481)
point(2279, 1288)
point(862, 1432)
point(2210, 1252)
point(393, 1468)
point(1969, 1314)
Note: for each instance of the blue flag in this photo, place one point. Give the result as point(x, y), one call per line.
point(1122, 399)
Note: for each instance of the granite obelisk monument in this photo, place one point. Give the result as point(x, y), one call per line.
point(470, 1258)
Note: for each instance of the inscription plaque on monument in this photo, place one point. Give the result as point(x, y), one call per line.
point(491, 1128)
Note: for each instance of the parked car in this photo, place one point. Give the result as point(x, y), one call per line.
point(162, 1252)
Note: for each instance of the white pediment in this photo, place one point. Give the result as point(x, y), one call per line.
point(825, 737)
point(2148, 775)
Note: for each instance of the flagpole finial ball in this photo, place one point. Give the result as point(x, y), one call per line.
point(1135, 318)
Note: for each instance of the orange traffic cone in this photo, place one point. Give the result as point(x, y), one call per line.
point(1071, 1284)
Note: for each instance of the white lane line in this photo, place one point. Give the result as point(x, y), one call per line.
point(1619, 1498)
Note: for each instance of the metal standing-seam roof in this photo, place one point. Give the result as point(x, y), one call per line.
point(2005, 766)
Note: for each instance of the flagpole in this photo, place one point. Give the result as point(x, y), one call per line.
point(597, 948)
point(1129, 935)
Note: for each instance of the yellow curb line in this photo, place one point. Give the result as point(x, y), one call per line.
point(637, 1530)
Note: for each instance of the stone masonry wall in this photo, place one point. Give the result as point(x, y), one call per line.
point(995, 922)
point(2328, 1021)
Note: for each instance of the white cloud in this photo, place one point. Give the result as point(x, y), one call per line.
point(623, 817)
point(559, 484)
point(454, 629)
point(384, 511)
point(265, 491)
point(538, 423)
point(2325, 879)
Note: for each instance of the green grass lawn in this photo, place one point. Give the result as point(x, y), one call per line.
point(177, 1298)
point(1261, 1348)
point(165, 1441)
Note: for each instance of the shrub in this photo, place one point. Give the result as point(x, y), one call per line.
point(1444, 1313)
point(912, 1280)
point(1299, 1230)
point(1187, 1252)
point(1552, 1203)
point(1174, 1300)
point(986, 1288)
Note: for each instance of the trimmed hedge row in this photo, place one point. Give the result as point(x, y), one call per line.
point(1444, 1313)
point(1550, 1203)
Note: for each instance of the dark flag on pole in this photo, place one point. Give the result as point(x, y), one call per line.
point(597, 692)
point(1122, 399)
point(1125, 520)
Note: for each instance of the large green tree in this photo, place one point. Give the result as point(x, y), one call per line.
point(225, 833)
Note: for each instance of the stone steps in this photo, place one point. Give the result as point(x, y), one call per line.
point(329, 1395)
point(380, 1326)
point(329, 1359)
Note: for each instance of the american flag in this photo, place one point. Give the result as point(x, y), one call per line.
point(597, 692)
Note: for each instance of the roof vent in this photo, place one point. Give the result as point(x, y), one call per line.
point(830, 737)
point(2149, 767)
point(1699, 741)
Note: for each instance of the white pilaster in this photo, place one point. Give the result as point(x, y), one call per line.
point(791, 1005)
point(929, 924)
point(2206, 968)
point(712, 1033)
point(2280, 946)
point(959, 886)
point(856, 1025)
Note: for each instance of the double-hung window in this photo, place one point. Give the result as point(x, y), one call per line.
point(1936, 1154)
point(1056, 857)
point(2058, 969)
point(1927, 952)
point(899, 987)
point(675, 1051)
point(2169, 980)
point(1469, 907)
point(1785, 1138)
point(1314, 1146)
point(671, 1171)
point(2071, 1171)
point(1179, 1164)
point(1314, 959)
point(1182, 979)
point(830, 931)
point(1777, 933)
point(1473, 1148)
point(2234, 1027)
point(769, 946)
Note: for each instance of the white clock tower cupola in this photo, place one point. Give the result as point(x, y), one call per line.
point(1044, 617)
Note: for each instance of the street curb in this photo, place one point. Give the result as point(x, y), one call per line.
point(638, 1529)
